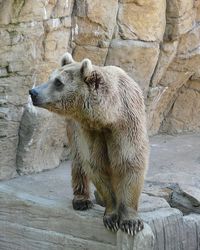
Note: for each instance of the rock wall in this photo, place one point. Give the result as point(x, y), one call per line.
point(34, 35)
point(157, 43)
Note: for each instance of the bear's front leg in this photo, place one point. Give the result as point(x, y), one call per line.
point(104, 188)
point(80, 182)
point(80, 185)
point(128, 191)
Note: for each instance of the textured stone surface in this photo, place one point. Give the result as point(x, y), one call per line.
point(27, 10)
point(34, 34)
point(174, 172)
point(56, 220)
point(12, 98)
point(142, 20)
point(160, 70)
point(175, 159)
point(161, 102)
point(13, 234)
point(36, 209)
point(144, 240)
point(182, 196)
point(186, 198)
point(92, 24)
point(54, 216)
point(42, 144)
point(180, 18)
point(167, 226)
point(151, 203)
point(185, 119)
point(192, 228)
point(167, 54)
point(132, 57)
point(29, 197)
point(96, 54)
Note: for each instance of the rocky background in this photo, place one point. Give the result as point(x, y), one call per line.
point(157, 42)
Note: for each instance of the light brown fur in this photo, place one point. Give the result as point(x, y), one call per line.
point(107, 133)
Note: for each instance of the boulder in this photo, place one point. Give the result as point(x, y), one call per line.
point(142, 20)
point(12, 97)
point(160, 104)
point(167, 227)
point(42, 141)
point(92, 24)
point(192, 229)
point(181, 119)
point(97, 55)
point(137, 58)
point(180, 18)
point(167, 54)
point(189, 42)
point(185, 198)
point(26, 11)
point(144, 240)
point(34, 36)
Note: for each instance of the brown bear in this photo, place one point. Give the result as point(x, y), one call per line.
point(108, 136)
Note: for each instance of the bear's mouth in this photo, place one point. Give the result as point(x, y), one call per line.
point(40, 104)
point(44, 105)
point(36, 102)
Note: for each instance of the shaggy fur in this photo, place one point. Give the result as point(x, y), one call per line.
point(107, 134)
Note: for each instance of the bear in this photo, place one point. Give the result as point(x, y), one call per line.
point(107, 133)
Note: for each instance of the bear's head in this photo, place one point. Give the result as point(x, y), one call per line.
point(78, 90)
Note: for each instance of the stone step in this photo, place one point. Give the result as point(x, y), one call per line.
point(29, 222)
point(45, 220)
point(15, 236)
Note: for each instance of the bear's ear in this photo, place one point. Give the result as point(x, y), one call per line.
point(66, 59)
point(86, 68)
point(90, 76)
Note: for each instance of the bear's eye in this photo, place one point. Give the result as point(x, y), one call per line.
point(58, 83)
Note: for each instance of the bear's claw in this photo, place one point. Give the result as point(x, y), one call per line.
point(111, 222)
point(131, 227)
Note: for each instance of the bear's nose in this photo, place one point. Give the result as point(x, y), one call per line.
point(33, 93)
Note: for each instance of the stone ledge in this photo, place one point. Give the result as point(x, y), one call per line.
point(23, 237)
point(27, 220)
point(39, 206)
point(30, 220)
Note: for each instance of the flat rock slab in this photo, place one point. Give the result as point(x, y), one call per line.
point(36, 210)
point(174, 171)
point(175, 159)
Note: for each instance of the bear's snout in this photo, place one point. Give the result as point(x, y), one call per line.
point(33, 93)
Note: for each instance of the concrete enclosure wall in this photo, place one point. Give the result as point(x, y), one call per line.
point(157, 43)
